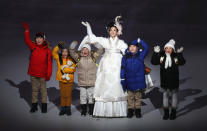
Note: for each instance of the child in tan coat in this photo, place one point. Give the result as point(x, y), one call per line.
point(86, 64)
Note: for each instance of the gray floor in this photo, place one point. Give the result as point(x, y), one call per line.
point(16, 95)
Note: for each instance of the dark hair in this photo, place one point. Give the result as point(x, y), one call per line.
point(60, 56)
point(110, 25)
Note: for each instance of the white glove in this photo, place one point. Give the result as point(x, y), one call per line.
point(87, 25)
point(180, 50)
point(157, 49)
point(73, 44)
point(138, 40)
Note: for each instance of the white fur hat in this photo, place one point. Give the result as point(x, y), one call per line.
point(85, 44)
point(171, 44)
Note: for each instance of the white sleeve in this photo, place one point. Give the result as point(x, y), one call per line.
point(100, 40)
point(122, 46)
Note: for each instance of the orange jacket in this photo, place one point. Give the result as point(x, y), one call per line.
point(70, 71)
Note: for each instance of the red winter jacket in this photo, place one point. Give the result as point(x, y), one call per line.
point(40, 64)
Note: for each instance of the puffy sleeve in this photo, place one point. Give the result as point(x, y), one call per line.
point(49, 65)
point(28, 41)
point(155, 59)
point(122, 46)
point(145, 50)
point(181, 59)
point(123, 65)
point(55, 53)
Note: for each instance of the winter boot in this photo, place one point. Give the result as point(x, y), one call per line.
point(34, 108)
point(84, 110)
point(44, 107)
point(62, 111)
point(173, 114)
point(130, 113)
point(68, 110)
point(166, 114)
point(91, 106)
point(138, 113)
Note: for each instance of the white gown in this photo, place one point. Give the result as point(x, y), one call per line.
point(110, 99)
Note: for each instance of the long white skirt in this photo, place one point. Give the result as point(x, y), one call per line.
point(110, 99)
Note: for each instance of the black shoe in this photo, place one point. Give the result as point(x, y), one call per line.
point(34, 108)
point(44, 107)
point(68, 110)
point(84, 110)
point(91, 106)
point(173, 114)
point(130, 113)
point(166, 114)
point(138, 113)
point(62, 111)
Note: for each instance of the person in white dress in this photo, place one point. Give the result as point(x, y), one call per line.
point(110, 99)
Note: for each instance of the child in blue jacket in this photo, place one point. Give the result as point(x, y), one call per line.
point(133, 76)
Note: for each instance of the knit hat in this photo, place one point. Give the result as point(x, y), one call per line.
point(171, 44)
point(85, 44)
point(134, 42)
point(40, 34)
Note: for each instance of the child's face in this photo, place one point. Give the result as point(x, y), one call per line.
point(133, 49)
point(85, 51)
point(168, 50)
point(113, 32)
point(39, 40)
point(64, 53)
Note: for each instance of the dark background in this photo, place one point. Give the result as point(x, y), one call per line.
point(155, 21)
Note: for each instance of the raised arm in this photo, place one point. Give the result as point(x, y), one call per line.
point(181, 59)
point(155, 60)
point(99, 52)
point(145, 50)
point(72, 51)
point(27, 39)
point(55, 53)
point(92, 37)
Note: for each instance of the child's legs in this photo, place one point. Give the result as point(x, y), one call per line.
point(62, 94)
point(138, 99)
point(35, 83)
point(69, 87)
point(130, 99)
point(90, 95)
point(83, 95)
point(43, 90)
point(174, 98)
point(166, 98)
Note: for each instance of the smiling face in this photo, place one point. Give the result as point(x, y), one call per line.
point(113, 32)
point(133, 49)
point(85, 52)
point(64, 53)
point(39, 40)
point(168, 50)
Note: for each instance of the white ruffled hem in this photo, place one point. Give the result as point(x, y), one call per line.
point(110, 109)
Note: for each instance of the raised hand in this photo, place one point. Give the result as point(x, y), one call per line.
point(86, 24)
point(180, 50)
point(157, 49)
point(25, 25)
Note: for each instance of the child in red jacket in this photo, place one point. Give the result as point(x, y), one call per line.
point(40, 67)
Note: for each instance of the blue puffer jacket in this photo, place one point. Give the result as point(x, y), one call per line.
point(132, 69)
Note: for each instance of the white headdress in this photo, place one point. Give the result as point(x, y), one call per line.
point(117, 24)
